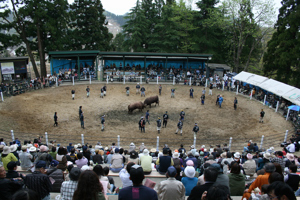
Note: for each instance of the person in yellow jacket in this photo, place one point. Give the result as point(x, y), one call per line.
point(7, 157)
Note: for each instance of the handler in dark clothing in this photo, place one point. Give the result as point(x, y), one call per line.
point(82, 120)
point(11, 172)
point(55, 119)
point(165, 119)
point(8, 186)
point(73, 94)
point(210, 177)
point(80, 111)
point(164, 162)
point(142, 124)
point(39, 181)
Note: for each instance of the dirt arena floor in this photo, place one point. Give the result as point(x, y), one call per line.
point(31, 114)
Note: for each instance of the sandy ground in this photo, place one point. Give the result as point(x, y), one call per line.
point(31, 114)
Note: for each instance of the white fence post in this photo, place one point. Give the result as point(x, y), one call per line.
point(157, 80)
point(82, 139)
point(118, 141)
point(12, 135)
point(141, 80)
point(286, 134)
point(190, 80)
point(265, 99)
point(85, 76)
point(124, 79)
point(262, 141)
point(46, 137)
point(157, 144)
point(2, 96)
point(223, 87)
point(251, 94)
point(277, 106)
point(107, 79)
point(206, 83)
point(287, 116)
point(56, 82)
point(73, 80)
point(230, 141)
point(174, 80)
point(90, 79)
point(195, 142)
point(237, 89)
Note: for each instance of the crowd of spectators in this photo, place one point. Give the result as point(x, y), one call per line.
point(85, 172)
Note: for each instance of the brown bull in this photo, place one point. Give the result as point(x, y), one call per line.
point(150, 100)
point(136, 105)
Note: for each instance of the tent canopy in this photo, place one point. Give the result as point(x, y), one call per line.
point(288, 92)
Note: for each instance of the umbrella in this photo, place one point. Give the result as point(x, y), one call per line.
point(294, 107)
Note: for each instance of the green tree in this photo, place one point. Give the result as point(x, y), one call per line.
point(282, 58)
point(88, 30)
point(118, 42)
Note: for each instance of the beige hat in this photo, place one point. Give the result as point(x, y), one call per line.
point(13, 147)
point(152, 150)
point(32, 149)
point(267, 155)
point(176, 155)
point(190, 171)
point(6, 150)
point(290, 156)
point(24, 148)
point(223, 155)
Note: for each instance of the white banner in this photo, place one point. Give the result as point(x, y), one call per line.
point(7, 68)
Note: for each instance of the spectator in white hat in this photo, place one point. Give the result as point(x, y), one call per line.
point(189, 181)
point(250, 165)
point(7, 156)
point(146, 162)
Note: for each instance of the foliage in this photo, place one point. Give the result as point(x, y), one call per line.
point(282, 58)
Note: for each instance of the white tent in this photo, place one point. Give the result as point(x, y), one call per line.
point(288, 92)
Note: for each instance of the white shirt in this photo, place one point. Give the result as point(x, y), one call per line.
point(124, 176)
point(291, 148)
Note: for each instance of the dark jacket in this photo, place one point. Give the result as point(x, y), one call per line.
point(58, 176)
point(97, 159)
point(13, 174)
point(198, 190)
point(8, 188)
point(40, 183)
point(236, 184)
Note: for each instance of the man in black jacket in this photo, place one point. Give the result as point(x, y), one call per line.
point(210, 177)
point(8, 186)
point(39, 181)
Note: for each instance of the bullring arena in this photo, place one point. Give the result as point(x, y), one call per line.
point(31, 115)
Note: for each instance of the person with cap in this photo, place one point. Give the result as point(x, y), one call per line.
point(142, 147)
point(158, 122)
point(250, 165)
point(143, 91)
point(138, 191)
point(171, 188)
point(165, 119)
point(99, 146)
point(7, 156)
point(182, 115)
point(145, 161)
point(164, 162)
point(192, 158)
point(8, 186)
point(70, 147)
point(147, 115)
point(102, 122)
point(235, 102)
point(172, 92)
point(190, 181)
point(202, 98)
point(124, 175)
point(39, 181)
point(87, 91)
point(260, 180)
point(13, 150)
point(68, 187)
point(25, 159)
point(43, 155)
point(142, 124)
point(195, 129)
point(191, 92)
point(56, 174)
point(176, 159)
point(11, 172)
point(210, 177)
point(82, 120)
point(116, 161)
point(102, 93)
point(220, 101)
point(291, 148)
point(104, 90)
point(236, 180)
point(98, 157)
point(137, 88)
point(73, 94)
point(80, 111)
point(179, 127)
point(55, 119)
point(127, 90)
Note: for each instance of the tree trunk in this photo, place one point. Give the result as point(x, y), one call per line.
point(42, 56)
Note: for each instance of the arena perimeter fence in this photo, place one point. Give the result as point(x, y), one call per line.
point(235, 144)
